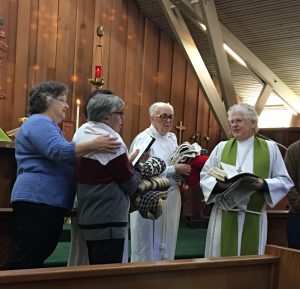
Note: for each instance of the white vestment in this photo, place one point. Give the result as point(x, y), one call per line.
point(156, 240)
point(278, 183)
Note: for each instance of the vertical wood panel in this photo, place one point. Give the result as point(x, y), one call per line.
point(46, 39)
point(83, 53)
point(178, 86)
point(117, 52)
point(105, 19)
point(164, 69)
point(65, 52)
point(190, 105)
point(132, 74)
point(33, 67)
point(5, 84)
point(149, 73)
point(213, 129)
point(22, 46)
point(10, 66)
point(202, 120)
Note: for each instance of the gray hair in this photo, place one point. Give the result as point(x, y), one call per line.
point(248, 111)
point(42, 93)
point(101, 106)
point(154, 108)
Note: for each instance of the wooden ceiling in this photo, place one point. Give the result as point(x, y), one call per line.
point(270, 29)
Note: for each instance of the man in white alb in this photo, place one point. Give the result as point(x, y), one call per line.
point(156, 239)
point(242, 230)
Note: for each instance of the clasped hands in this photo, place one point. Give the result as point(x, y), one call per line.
point(251, 183)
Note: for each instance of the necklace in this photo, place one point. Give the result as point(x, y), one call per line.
point(239, 170)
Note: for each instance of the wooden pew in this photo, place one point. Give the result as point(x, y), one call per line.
point(251, 272)
point(278, 269)
point(289, 266)
point(8, 169)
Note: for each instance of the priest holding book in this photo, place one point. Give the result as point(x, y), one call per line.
point(241, 228)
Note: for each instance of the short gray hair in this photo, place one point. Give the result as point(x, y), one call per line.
point(101, 106)
point(42, 93)
point(248, 111)
point(153, 109)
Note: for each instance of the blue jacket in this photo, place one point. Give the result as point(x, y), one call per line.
point(45, 161)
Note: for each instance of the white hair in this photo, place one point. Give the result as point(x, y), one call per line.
point(154, 108)
point(248, 111)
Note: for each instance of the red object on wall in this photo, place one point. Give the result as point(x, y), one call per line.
point(98, 71)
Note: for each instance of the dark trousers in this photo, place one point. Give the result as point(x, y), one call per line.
point(37, 231)
point(293, 230)
point(105, 251)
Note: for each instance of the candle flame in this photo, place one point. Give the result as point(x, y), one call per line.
point(78, 101)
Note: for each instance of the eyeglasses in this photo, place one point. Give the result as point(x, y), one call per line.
point(165, 116)
point(64, 101)
point(121, 113)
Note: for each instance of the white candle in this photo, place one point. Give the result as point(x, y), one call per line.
point(77, 113)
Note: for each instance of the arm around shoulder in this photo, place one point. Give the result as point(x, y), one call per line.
point(102, 143)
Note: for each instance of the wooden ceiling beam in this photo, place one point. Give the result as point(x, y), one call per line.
point(186, 41)
point(254, 64)
point(263, 98)
point(215, 40)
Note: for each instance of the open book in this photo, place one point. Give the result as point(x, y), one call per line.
point(237, 190)
point(143, 147)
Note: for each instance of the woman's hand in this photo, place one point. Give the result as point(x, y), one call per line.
point(106, 144)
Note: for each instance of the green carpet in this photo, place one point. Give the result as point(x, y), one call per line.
point(190, 244)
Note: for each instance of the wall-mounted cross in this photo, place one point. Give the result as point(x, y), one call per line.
point(180, 129)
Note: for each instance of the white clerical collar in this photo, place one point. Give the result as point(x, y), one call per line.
point(246, 142)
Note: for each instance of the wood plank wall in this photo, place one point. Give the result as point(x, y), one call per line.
point(56, 40)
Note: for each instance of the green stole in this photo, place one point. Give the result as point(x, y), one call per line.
point(229, 226)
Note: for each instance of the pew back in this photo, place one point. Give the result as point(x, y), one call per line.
point(251, 272)
point(289, 266)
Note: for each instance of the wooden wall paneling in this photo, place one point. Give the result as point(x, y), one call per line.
point(83, 54)
point(164, 75)
point(105, 19)
point(33, 67)
point(284, 136)
point(65, 51)
point(293, 135)
point(178, 87)
point(202, 120)
point(4, 103)
point(133, 66)
point(21, 63)
point(46, 39)
point(11, 27)
point(213, 128)
point(118, 43)
point(65, 40)
point(149, 72)
point(213, 132)
point(97, 42)
point(190, 105)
